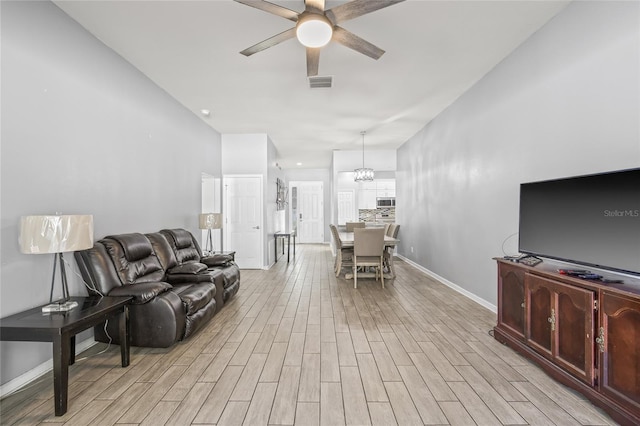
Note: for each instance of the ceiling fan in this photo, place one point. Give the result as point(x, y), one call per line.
point(315, 27)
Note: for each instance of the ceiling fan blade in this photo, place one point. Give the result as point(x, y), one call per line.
point(272, 41)
point(356, 8)
point(314, 6)
point(313, 61)
point(356, 43)
point(274, 9)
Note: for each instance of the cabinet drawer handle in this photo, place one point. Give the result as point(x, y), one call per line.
point(552, 319)
point(600, 339)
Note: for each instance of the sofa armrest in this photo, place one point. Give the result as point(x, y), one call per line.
point(141, 292)
point(190, 268)
point(217, 259)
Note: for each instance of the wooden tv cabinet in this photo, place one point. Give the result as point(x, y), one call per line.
point(583, 333)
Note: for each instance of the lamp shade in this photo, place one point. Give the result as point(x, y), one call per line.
point(363, 175)
point(55, 234)
point(211, 221)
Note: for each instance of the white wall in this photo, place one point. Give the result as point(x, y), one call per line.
point(275, 218)
point(255, 153)
point(244, 153)
point(566, 102)
point(378, 160)
point(85, 132)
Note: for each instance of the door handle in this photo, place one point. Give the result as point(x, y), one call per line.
point(256, 227)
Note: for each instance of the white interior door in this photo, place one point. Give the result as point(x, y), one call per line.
point(346, 207)
point(310, 211)
point(243, 219)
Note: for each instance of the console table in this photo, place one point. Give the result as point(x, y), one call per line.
point(583, 333)
point(288, 236)
point(61, 328)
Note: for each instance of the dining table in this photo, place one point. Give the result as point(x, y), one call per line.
point(347, 239)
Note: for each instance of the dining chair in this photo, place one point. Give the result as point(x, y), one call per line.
point(388, 250)
point(344, 255)
point(350, 226)
point(368, 250)
point(390, 230)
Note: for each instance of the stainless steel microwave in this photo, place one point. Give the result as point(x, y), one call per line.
point(382, 202)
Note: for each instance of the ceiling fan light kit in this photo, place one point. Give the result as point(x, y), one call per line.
point(316, 27)
point(313, 30)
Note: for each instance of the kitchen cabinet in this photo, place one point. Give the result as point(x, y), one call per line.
point(368, 192)
point(385, 188)
point(367, 199)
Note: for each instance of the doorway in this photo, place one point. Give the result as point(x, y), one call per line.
point(307, 210)
point(243, 219)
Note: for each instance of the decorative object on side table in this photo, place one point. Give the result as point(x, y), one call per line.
point(210, 221)
point(56, 234)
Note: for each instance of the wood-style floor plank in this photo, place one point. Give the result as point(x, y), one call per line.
point(299, 346)
point(355, 402)
point(260, 407)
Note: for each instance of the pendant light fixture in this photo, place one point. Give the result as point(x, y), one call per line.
point(363, 174)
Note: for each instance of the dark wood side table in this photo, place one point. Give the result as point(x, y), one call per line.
point(61, 329)
point(288, 236)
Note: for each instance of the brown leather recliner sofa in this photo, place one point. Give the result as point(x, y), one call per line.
point(173, 295)
point(187, 250)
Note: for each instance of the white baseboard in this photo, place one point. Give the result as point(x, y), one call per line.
point(33, 374)
point(448, 283)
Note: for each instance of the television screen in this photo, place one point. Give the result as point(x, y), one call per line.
point(591, 220)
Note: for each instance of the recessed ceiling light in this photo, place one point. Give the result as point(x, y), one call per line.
point(205, 112)
point(298, 164)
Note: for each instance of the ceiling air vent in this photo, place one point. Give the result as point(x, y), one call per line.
point(319, 82)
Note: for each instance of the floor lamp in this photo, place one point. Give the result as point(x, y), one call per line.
point(210, 221)
point(56, 234)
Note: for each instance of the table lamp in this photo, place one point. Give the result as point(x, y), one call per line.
point(210, 221)
point(56, 234)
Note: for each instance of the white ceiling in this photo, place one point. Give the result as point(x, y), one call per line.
point(435, 51)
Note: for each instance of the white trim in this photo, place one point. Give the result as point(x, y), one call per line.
point(455, 287)
point(33, 374)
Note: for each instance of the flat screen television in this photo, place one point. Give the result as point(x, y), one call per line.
point(590, 220)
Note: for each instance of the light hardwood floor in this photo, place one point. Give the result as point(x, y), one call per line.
point(298, 346)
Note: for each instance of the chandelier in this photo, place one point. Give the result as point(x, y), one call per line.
point(363, 174)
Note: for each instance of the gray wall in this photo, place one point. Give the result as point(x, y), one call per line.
point(564, 103)
point(84, 132)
